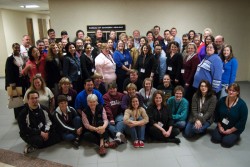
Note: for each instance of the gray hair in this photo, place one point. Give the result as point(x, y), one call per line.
point(92, 97)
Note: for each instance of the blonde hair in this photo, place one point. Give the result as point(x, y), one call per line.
point(63, 81)
point(38, 76)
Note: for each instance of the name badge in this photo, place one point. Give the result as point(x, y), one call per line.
point(40, 125)
point(201, 114)
point(69, 98)
point(93, 70)
point(169, 68)
point(160, 124)
point(126, 63)
point(225, 121)
point(142, 70)
point(182, 71)
point(79, 73)
point(64, 54)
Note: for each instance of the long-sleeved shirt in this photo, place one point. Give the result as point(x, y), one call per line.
point(179, 108)
point(229, 71)
point(135, 114)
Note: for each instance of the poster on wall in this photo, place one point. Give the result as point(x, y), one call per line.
point(116, 27)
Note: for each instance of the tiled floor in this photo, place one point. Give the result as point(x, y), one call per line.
point(199, 153)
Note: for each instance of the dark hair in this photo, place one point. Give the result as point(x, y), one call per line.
point(157, 27)
point(30, 53)
point(67, 46)
point(87, 80)
point(32, 92)
point(85, 46)
point(39, 41)
point(189, 34)
point(15, 44)
point(143, 37)
point(215, 48)
point(77, 32)
point(166, 31)
point(163, 103)
point(179, 87)
point(235, 86)
point(149, 49)
point(222, 54)
point(212, 39)
point(172, 43)
point(50, 30)
point(130, 102)
point(210, 91)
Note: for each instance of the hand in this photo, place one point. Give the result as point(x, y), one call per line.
point(166, 133)
point(112, 122)
point(228, 131)
point(132, 124)
point(45, 135)
point(198, 124)
point(221, 130)
point(100, 130)
point(79, 131)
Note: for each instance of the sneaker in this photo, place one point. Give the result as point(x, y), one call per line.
point(29, 149)
point(76, 144)
point(102, 151)
point(141, 144)
point(120, 138)
point(123, 138)
point(136, 144)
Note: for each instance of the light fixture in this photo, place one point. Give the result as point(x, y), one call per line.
point(29, 6)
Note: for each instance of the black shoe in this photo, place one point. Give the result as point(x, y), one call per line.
point(174, 140)
point(75, 144)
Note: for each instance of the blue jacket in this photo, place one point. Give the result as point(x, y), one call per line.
point(122, 59)
point(230, 70)
point(71, 67)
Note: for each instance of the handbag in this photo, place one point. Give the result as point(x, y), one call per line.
point(14, 92)
point(15, 102)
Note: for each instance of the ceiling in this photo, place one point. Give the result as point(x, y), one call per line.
point(15, 5)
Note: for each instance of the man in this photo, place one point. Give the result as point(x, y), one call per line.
point(35, 125)
point(24, 48)
point(64, 43)
point(112, 101)
point(81, 98)
point(98, 37)
point(136, 36)
point(41, 47)
point(173, 32)
point(52, 35)
point(64, 35)
point(157, 33)
point(79, 47)
point(46, 44)
point(166, 40)
point(161, 59)
point(185, 41)
point(69, 124)
point(133, 78)
point(219, 42)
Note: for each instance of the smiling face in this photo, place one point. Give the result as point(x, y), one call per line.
point(226, 52)
point(158, 100)
point(166, 80)
point(178, 95)
point(131, 92)
point(173, 49)
point(203, 88)
point(37, 84)
point(210, 49)
point(191, 49)
point(135, 103)
point(148, 85)
point(16, 49)
point(63, 106)
point(120, 46)
point(72, 49)
point(145, 50)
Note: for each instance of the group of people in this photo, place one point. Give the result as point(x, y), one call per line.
point(137, 86)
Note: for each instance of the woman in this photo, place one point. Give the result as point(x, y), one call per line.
point(65, 88)
point(123, 63)
point(202, 53)
point(72, 67)
point(160, 120)
point(87, 62)
point(146, 64)
point(210, 69)
point(166, 87)
point(111, 46)
point(105, 65)
point(231, 117)
point(13, 73)
point(203, 106)
point(147, 92)
point(179, 107)
point(98, 83)
point(135, 118)
point(53, 67)
point(67, 121)
point(174, 64)
point(190, 64)
point(191, 35)
point(143, 41)
point(95, 121)
point(133, 51)
point(230, 67)
point(35, 64)
point(46, 97)
point(150, 38)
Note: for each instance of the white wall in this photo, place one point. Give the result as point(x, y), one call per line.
point(229, 18)
point(12, 28)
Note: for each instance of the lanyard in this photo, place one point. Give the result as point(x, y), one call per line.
point(228, 107)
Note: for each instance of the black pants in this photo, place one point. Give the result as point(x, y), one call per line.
point(155, 133)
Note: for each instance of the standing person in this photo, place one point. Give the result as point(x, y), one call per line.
point(87, 61)
point(146, 64)
point(105, 65)
point(147, 92)
point(133, 51)
point(53, 67)
point(68, 123)
point(191, 35)
point(136, 36)
point(179, 107)
point(231, 117)
point(160, 58)
point(203, 106)
point(174, 64)
point(160, 120)
point(52, 35)
point(173, 32)
point(95, 121)
point(35, 65)
point(210, 69)
point(135, 117)
point(190, 64)
point(13, 73)
point(46, 97)
point(24, 47)
point(112, 104)
point(35, 125)
point(72, 67)
point(230, 67)
point(157, 33)
point(203, 51)
point(123, 63)
point(79, 34)
point(219, 42)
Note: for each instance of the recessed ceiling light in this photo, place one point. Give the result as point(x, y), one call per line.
point(29, 6)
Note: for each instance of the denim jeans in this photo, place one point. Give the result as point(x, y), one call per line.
point(118, 127)
point(190, 130)
point(225, 140)
point(180, 124)
point(137, 132)
point(77, 123)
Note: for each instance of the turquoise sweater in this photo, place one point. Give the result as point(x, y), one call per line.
point(179, 109)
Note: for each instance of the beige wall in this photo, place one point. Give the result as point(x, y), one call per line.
point(12, 28)
point(228, 18)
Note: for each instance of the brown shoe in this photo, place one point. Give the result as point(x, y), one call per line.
point(111, 144)
point(102, 151)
